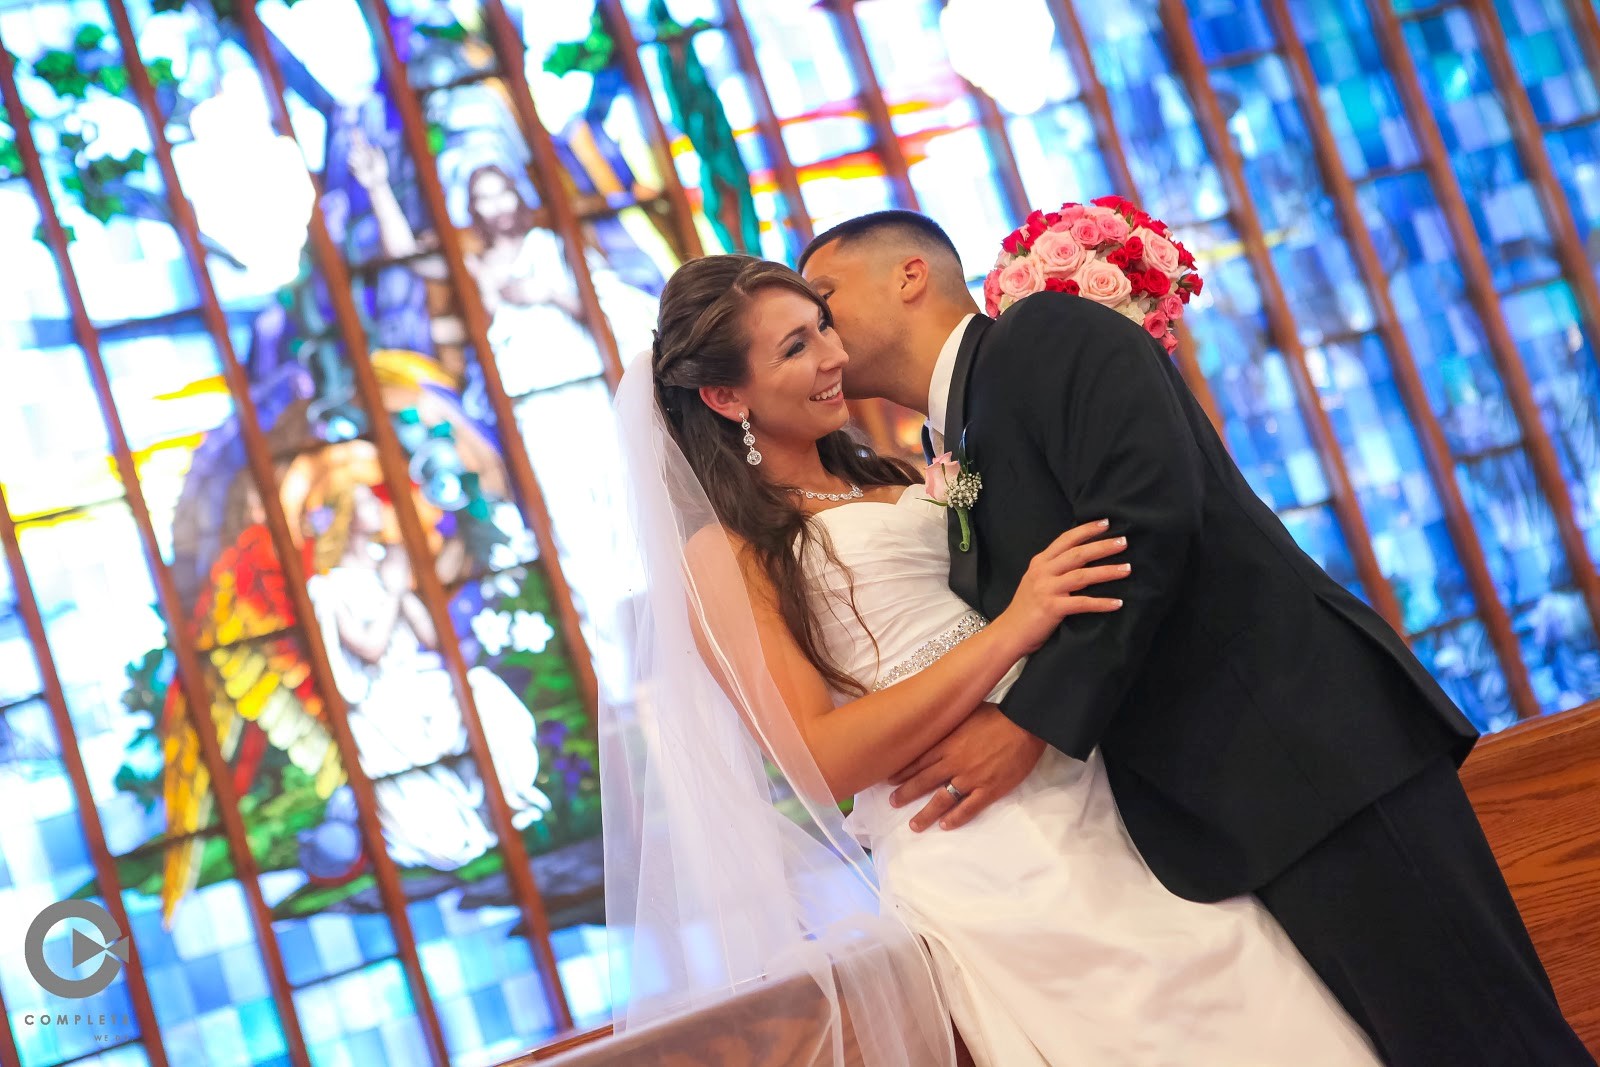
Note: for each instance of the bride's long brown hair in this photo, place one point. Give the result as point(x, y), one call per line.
point(701, 341)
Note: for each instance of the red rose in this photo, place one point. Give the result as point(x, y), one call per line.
point(1115, 203)
point(1070, 286)
point(1194, 282)
point(1053, 217)
point(1013, 243)
point(1036, 224)
point(1135, 249)
point(1184, 295)
point(1157, 283)
point(1057, 285)
point(1118, 257)
point(1184, 257)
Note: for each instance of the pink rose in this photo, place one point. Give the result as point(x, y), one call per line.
point(1086, 231)
point(1160, 254)
point(1171, 307)
point(1156, 323)
point(938, 477)
point(1071, 213)
point(991, 293)
point(1170, 342)
point(1113, 227)
point(1059, 255)
point(1021, 277)
point(1104, 284)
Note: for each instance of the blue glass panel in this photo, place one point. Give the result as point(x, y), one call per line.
point(1515, 524)
point(206, 978)
point(1320, 281)
point(1549, 61)
point(19, 673)
point(1462, 659)
point(1575, 158)
point(365, 1016)
point(1401, 505)
point(108, 641)
point(1316, 530)
point(33, 310)
point(56, 453)
point(1446, 338)
point(483, 979)
point(1559, 647)
point(1165, 152)
point(1227, 27)
point(1358, 96)
point(1058, 156)
point(1505, 210)
point(44, 858)
point(1566, 384)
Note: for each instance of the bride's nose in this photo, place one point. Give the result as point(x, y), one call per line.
point(834, 356)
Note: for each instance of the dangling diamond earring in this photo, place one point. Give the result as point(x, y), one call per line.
point(751, 457)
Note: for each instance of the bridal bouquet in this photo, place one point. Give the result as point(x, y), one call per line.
point(1109, 252)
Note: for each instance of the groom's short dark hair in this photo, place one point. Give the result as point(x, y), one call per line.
point(918, 228)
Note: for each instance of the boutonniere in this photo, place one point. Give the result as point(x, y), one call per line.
point(952, 483)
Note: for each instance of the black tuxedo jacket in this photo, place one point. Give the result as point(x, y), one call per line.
point(1244, 703)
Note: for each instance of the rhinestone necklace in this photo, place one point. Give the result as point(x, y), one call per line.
point(853, 494)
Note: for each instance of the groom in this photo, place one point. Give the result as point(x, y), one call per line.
point(1263, 730)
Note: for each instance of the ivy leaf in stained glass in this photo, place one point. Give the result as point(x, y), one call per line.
point(161, 72)
point(10, 159)
point(60, 71)
point(39, 234)
point(103, 207)
point(591, 55)
point(449, 31)
point(89, 37)
point(113, 79)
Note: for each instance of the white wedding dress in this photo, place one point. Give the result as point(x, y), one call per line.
point(1053, 943)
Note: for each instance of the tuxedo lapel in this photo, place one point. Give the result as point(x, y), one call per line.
point(963, 565)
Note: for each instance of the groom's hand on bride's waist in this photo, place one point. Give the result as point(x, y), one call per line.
point(984, 758)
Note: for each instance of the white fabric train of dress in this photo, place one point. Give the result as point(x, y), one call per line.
point(1052, 941)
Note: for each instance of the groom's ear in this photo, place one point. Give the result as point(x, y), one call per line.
point(724, 400)
point(913, 279)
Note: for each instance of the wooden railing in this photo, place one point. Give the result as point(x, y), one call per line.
point(1536, 788)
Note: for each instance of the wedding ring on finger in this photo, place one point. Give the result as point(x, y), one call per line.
point(956, 794)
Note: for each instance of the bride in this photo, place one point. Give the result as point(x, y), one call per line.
point(799, 646)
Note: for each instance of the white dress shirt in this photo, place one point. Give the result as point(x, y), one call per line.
point(944, 372)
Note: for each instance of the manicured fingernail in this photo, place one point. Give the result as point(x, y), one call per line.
point(1127, 567)
point(1118, 603)
point(944, 826)
point(916, 827)
point(1103, 523)
point(1120, 541)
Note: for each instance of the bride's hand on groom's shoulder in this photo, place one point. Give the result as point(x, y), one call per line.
point(985, 758)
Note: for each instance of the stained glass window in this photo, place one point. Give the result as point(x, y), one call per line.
point(327, 469)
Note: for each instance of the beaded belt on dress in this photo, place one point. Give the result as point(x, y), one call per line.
point(928, 654)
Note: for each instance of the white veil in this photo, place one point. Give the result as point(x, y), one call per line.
point(727, 874)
